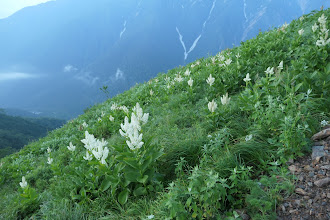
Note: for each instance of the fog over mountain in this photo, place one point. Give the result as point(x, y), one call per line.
point(55, 56)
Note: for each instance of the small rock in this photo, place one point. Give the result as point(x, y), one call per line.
point(322, 134)
point(293, 168)
point(322, 172)
point(308, 168)
point(310, 201)
point(301, 178)
point(301, 192)
point(322, 182)
point(317, 153)
point(297, 202)
point(328, 195)
point(319, 143)
point(311, 174)
point(325, 167)
point(293, 211)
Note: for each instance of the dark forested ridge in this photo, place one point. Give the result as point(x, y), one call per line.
point(15, 132)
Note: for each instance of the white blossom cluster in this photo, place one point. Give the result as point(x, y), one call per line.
point(115, 106)
point(323, 33)
point(96, 147)
point(131, 130)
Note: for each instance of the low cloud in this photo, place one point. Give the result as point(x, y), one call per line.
point(16, 76)
point(87, 78)
point(69, 68)
point(119, 74)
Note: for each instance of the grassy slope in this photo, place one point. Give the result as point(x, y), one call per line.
point(275, 109)
point(15, 132)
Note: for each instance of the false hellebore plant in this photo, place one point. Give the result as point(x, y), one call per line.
point(130, 168)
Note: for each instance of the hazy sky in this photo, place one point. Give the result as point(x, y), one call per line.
point(8, 7)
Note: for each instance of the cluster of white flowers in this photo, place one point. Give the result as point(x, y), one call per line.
point(223, 61)
point(111, 118)
point(49, 159)
point(301, 31)
point(131, 130)
point(324, 123)
point(210, 80)
point(85, 125)
point(284, 26)
point(195, 64)
point(323, 34)
point(178, 78)
point(23, 184)
point(269, 71)
point(225, 99)
point(96, 147)
point(187, 73)
point(115, 106)
point(247, 78)
point(212, 106)
point(280, 65)
point(190, 82)
point(71, 147)
point(151, 92)
point(248, 137)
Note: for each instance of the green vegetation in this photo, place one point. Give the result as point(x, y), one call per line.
point(15, 132)
point(199, 153)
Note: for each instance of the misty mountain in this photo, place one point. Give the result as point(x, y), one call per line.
point(55, 56)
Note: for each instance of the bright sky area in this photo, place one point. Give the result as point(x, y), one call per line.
point(8, 7)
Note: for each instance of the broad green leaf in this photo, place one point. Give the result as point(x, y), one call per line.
point(123, 196)
point(140, 191)
point(143, 179)
point(132, 176)
point(296, 88)
point(146, 164)
point(106, 183)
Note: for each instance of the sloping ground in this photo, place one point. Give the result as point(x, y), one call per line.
point(210, 140)
point(312, 192)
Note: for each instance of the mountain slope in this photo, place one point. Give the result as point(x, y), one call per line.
point(65, 50)
point(15, 132)
point(217, 137)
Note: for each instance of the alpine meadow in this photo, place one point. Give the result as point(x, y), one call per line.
point(198, 142)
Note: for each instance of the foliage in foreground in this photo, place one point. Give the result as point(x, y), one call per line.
point(202, 141)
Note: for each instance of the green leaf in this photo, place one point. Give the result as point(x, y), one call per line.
point(143, 179)
point(83, 192)
point(146, 164)
point(106, 183)
point(140, 191)
point(123, 196)
point(296, 88)
point(132, 176)
point(132, 163)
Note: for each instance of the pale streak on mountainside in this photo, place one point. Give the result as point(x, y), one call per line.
point(185, 53)
point(246, 20)
point(124, 29)
point(256, 18)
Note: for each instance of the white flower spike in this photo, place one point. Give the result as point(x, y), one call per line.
point(50, 160)
point(212, 106)
point(247, 78)
point(280, 66)
point(23, 184)
point(71, 147)
point(190, 82)
point(225, 99)
point(301, 31)
point(210, 80)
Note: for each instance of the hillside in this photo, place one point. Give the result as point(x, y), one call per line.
point(200, 141)
point(72, 48)
point(15, 132)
